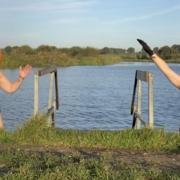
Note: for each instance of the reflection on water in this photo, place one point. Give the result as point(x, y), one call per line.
point(95, 97)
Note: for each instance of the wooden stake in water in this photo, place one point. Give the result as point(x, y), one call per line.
point(36, 94)
point(139, 94)
point(137, 119)
point(151, 101)
point(51, 99)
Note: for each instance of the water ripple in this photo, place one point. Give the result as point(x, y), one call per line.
point(96, 98)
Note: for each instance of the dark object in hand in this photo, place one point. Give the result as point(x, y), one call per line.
point(145, 47)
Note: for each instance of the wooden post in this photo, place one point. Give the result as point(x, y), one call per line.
point(50, 101)
point(134, 94)
point(137, 119)
point(53, 102)
point(36, 94)
point(53, 114)
point(56, 89)
point(139, 101)
point(151, 101)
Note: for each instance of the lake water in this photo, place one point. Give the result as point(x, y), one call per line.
point(95, 97)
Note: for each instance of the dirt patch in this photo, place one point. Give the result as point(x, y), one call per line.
point(162, 160)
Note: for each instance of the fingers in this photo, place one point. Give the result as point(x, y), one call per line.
point(27, 67)
point(24, 71)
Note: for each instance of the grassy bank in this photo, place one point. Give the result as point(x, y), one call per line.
point(27, 166)
point(45, 55)
point(101, 159)
point(14, 62)
point(35, 132)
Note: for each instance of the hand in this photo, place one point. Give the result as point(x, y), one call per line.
point(24, 71)
point(146, 47)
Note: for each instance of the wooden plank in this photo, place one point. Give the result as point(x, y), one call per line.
point(136, 111)
point(143, 75)
point(50, 114)
point(134, 94)
point(36, 94)
point(139, 101)
point(56, 90)
point(151, 101)
point(47, 70)
point(134, 121)
point(50, 102)
point(50, 110)
point(138, 116)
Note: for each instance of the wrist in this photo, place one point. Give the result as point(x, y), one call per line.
point(21, 78)
point(154, 56)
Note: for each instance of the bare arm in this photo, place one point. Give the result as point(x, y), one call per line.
point(11, 87)
point(172, 76)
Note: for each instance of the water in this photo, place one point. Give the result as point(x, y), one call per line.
point(95, 97)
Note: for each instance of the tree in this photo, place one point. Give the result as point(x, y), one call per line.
point(176, 48)
point(75, 51)
point(165, 52)
point(130, 50)
point(8, 49)
point(106, 50)
point(46, 48)
point(175, 51)
point(25, 50)
point(155, 50)
point(89, 51)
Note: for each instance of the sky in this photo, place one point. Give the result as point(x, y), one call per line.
point(94, 23)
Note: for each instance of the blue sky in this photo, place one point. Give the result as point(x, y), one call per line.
point(96, 23)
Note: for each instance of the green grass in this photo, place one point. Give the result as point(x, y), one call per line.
point(36, 61)
point(19, 165)
point(14, 61)
point(36, 132)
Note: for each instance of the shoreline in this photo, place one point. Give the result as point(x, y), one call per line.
point(80, 65)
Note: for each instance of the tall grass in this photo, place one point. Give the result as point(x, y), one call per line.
point(35, 132)
point(12, 61)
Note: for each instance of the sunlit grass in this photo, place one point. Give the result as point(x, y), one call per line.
point(16, 163)
point(36, 132)
point(20, 165)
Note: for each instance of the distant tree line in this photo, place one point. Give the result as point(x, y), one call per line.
point(170, 53)
point(46, 54)
point(166, 52)
point(73, 51)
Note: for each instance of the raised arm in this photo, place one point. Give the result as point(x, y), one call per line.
point(172, 76)
point(11, 87)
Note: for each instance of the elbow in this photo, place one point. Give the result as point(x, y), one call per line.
point(10, 90)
